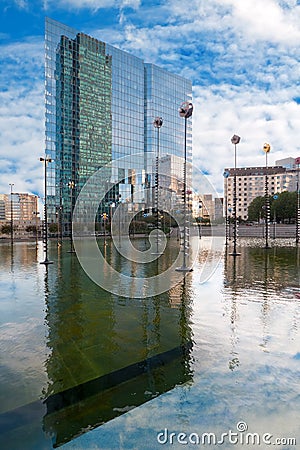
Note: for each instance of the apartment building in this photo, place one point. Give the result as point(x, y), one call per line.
point(250, 183)
point(18, 206)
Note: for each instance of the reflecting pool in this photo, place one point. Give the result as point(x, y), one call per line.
point(82, 368)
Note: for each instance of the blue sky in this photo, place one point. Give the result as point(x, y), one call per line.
point(241, 55)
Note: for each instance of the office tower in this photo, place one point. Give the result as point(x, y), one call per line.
point(100, 106)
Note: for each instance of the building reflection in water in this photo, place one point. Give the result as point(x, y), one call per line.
point(262, 276)
point(276, 269)
point(20, 253)
point(109, 354)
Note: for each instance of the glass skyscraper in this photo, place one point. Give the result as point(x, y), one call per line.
point(100, 106)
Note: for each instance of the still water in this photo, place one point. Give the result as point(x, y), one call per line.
point(81, 368)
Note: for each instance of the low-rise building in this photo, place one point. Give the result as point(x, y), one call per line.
point(250, 183)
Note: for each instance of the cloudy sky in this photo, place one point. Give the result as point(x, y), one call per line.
point(241, 55)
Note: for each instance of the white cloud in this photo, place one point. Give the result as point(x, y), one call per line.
point(266, 20)
point(22, 116)
point(21, 4)
point(135, 4)
point(93, 5)
point(270, 20)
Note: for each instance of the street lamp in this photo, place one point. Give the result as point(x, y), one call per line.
point(59, 211)
point(226, 175)
point(11, 214)
point(157, 123)
point(200, 206)
point(235, 140)
point(46, 160)
point(186, 111)
point(36, 213)
point(267, 149)
point(104, 218)
point(229, 215)
point(71, 186)
point(275, 197)
point(297, 162)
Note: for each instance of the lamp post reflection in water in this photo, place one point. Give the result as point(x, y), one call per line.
point(268, 274)
point(297, 162)
point(230, 281)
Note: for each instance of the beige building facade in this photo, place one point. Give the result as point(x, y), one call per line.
point(250, 183)
point(18, 206)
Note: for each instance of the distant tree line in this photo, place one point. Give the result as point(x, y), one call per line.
point(283, 208)
point(6, 229)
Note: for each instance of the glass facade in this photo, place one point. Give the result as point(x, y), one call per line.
point(164, 94)
point(100, 106)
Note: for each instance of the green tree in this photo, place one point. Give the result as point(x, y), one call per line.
point(138, 226)
point(5, 229)
point(256, 209)
point(53, 228)
point(285, 206)
point(31, 229)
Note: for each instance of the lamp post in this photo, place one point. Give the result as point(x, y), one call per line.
point(112, 206)
point(226, 175)
point(157, 123)
point(11, 214)
point(119, 217)
point(46, 160)
point(200, 206)
point(267, 149)
point(229, 215)
point(235, 140)
point(36, 213)
point(71, 186)
point(60, 215)
point(186, 111)
point(104, 217)
point(297, 162)
point(275, 197)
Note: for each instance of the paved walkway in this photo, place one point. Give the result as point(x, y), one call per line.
point(277, 230)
